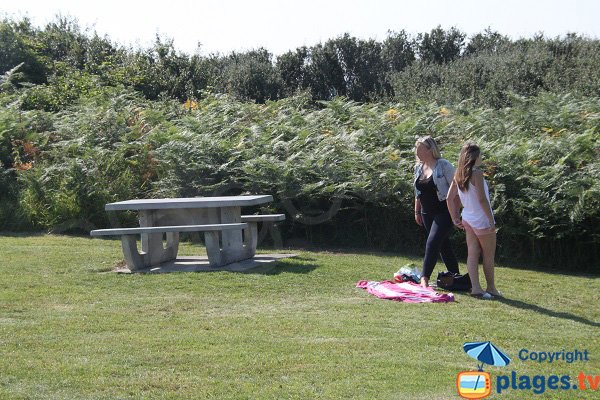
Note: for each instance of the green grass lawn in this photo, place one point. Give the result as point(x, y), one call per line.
point(70, 329)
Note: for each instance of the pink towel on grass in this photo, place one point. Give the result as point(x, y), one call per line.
point(407, 292)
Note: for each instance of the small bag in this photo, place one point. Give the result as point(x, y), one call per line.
point(455, 282)
point(408, 273)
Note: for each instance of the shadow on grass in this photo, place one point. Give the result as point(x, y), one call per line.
point(550, 313)
point(276, 267)
point(416, 255)
point(21, 234)
point(588, 272)
point(282, 267)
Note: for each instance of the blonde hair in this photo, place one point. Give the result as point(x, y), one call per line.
point(430, 143)
point(466, 162)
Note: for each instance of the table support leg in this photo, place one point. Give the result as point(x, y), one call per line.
point(232, 245)
point(152, 243)
point(154, 256)
point(133, 258)
point(231, 239)
point(213, 249)
point(172, 246)
point(219, 254)
point(251, 239)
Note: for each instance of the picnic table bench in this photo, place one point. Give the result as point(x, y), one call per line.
point(229, 236)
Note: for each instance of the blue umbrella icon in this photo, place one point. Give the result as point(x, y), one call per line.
point(487, 353)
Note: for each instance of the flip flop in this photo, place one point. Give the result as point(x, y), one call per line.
point(482, 296)
point(498, 294)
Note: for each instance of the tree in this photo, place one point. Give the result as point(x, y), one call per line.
point(326, 75)
point(292, 69)
point(398, 51)
point(251, 76)
point(489, 41)
point(346, 66)
point(440, 46)
point(17, 48)
point(159, 70)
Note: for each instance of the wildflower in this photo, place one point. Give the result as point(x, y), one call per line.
point(30, 149)
point(327, 132)
point(392, 114)
point(394, 155)
point(444, 111)
point(557, 133)
point(190, 105)
point(23, 166)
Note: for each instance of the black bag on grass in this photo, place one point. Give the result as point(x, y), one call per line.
point(453, 282)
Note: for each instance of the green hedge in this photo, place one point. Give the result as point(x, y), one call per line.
point(352, 160)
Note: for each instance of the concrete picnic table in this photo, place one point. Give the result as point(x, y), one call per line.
point(229, 236)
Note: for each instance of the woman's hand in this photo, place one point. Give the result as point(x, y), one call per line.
point(418, 218)
point(458, 223)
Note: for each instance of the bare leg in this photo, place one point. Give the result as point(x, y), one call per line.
point(474, 251)
point(488, 248)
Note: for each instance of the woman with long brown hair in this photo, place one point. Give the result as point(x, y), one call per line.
point(477, 218)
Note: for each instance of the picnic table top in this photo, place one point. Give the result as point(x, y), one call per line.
point(189, 202)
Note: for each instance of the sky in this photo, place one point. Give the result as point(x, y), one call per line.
point(207, 26)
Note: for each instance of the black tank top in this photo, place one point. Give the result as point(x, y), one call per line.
point(430, 204)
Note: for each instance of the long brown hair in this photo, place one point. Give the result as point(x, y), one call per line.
point(466, 161)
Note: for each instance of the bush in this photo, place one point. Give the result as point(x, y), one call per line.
point(83, 132)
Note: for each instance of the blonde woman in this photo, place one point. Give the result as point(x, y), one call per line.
point(433, 176)
point(477, 218)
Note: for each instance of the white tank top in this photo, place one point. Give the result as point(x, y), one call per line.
point(472, 211)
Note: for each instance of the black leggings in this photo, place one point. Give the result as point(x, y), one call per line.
point(438, 228)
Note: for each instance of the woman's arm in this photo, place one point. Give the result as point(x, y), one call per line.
point(477, 181)
point(453, 202)
point(449, 172)
point(418, 218)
